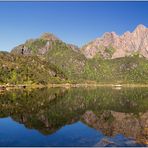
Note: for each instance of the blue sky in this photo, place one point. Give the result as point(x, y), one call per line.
point(73, 22)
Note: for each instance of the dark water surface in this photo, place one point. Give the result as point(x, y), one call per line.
point(74, 117)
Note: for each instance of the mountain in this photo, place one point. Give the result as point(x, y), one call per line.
point(66, 57)
point(110, 59)
point(41, 45)
point(112, 46)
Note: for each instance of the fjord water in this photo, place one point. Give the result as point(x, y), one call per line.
point(102, 116)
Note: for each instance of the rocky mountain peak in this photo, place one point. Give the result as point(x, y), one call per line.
point(49, 37)
point(42, 45)
point(140, 28)
point(109, 34)
point(110, 45)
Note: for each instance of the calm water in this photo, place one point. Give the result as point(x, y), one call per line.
point(74, 117)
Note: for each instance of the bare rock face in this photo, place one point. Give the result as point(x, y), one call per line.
point(73, 47)
point(114, 46)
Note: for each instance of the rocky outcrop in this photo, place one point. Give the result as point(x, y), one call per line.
point(73, 47)
point(49, 37)
point(113, 46)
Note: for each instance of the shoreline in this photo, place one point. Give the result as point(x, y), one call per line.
point(68, 85)
point(97, 85)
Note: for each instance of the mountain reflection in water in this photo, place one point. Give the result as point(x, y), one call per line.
point(106, 116)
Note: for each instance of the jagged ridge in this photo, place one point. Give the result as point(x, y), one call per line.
point(114, 46)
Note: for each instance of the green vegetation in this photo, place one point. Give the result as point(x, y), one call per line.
point(71, 63)
point(17, 69)
point(67, 66)
point(35, 45)
point(110, 50)
point(122, 70)
point(61, 64)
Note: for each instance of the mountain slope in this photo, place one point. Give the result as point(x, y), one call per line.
point(17, 69)
point(121, 70)
point(66, 57)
